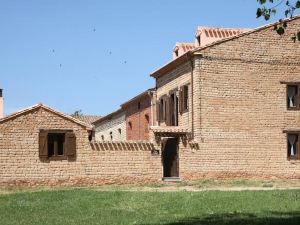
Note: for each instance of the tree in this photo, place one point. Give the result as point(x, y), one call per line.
point(269, 8)
point(77, 113)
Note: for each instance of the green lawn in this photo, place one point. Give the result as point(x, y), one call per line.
point(92, 206)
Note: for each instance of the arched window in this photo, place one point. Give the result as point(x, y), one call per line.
point(130, 125)
point(147, 123)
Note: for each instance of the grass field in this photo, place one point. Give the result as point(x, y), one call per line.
point(96, 206)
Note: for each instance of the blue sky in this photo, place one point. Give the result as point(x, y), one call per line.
point(94, 55)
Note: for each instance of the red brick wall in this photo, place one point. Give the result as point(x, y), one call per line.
point(137, 117)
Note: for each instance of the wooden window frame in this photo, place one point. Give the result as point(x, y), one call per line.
point(163, 108)
point(292, 83)
point(55, 150)
point(69, 149)
point(297, 97)
point(184, 98)
point(293, 132)
point(172, 109)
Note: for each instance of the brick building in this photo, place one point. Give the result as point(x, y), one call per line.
point(41, 146)
point(138, 116)
point(230, 108)
point(111, 127)
point(131, 122)
point(226, 108)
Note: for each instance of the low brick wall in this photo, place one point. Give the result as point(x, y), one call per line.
point(95, 163)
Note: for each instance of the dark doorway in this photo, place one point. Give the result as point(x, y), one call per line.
point(170, 157)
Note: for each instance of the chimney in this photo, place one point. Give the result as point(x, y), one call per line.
point(1, 104)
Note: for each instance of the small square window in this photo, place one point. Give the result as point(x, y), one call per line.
point(56, 142)
point(293, 145)
point(111, 135)
point(293, 97)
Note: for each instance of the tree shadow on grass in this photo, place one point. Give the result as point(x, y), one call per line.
point(272, 218)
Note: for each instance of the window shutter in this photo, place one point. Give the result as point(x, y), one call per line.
point(298, 147)
point(158, 111)
point(181, 100)
point(297, 97)
point(43, 140)
point(186, 97)
point(70, 144)
point(168, 116)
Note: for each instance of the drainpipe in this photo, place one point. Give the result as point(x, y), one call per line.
point(190, 59)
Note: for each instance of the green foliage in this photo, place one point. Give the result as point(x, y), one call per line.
point(268, 9)
point(91, 207)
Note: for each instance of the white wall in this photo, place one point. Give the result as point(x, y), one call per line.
point(111, 125)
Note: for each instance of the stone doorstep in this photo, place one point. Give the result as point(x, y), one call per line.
point(171, 179)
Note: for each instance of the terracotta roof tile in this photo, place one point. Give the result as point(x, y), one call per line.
point(89, 119)
point(181, 48)
point(212, 34)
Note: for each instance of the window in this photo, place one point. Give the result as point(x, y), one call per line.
point(111, 135)
point(120, 133)
point(293, 146)
point(198, 40)
point(293, 96)
point(139, 105)
point(102, 137)
point(173, 109)
point(147, 123)
point(57, 144)
point(161, 109)
point(176, 53)
point(184, 98)
point(130, 125)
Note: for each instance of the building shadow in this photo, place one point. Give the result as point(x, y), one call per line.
point(270, 218)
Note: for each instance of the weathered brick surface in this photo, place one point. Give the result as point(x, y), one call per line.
point(240, 107)
point(20, 163)
point(174, 80)
point(137, 117)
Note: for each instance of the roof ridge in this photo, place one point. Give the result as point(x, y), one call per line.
point(186, 54)
point(244, 33)
point(40, 105)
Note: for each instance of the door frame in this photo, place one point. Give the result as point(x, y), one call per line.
point(163, 151)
